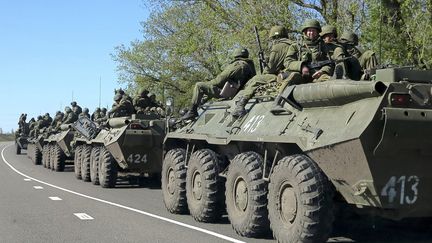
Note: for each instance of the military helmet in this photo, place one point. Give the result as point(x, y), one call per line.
point(32, 119)
point(58, 112)
point(311, 23)
point(104, 109)
point(120, 91)
point(47, 114)
point(117, 97)
point(241, 52)
point(328, 29)
point(85, 110)
point(349, 36)
point(68, 109)
point(143, 91)
point(98, 109)
point(278, 31)
point(39, 117)
point(73, 103)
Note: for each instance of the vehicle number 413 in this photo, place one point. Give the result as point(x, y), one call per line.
point(137, 158)
point(402, 190)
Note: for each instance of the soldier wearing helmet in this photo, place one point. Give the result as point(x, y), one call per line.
point(278, 35)
point(96, 114)
point(141, 101)
point(121, 107)
point(234, 76)
point(85, 112)
point(76, 108)
point(69, 116)
point(367, 59)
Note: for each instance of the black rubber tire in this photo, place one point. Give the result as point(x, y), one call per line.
point(174, 181)
point(298, 177)
point(77, 161)
point(44, 156)
point(58, 158)
point(48, 157)
point(85, 163)
point(248, 218)
point(107, 169)
point(36, 155)
point(94, 164)
point(52, 156)
point(17, 149)
point(204, 186)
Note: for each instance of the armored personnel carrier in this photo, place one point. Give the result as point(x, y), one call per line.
point(125, 145)
point(21, 142)
point(286, 163)
point(36, 144)
point(57, 148)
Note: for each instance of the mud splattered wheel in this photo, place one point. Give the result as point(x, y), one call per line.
point(246, 195)
point(204, 187)
point(77, 161)
point(174, 181)
point(94, 164)
point(85, 162)
point(36, 155)
point(58, 158)
point(300, 201)
point(107, 169)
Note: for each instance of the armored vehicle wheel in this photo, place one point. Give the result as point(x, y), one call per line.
point(174, 181)
point(44, 156)
point(58, 158)
point(17, 149)
point(300, 201)
point(204, 188)
point(36, 155)
point(94, 164)
point(107, 169)
point(52, 148)
point(77, 162)
point(85, 162)
point(48, 156)
point(246, 195)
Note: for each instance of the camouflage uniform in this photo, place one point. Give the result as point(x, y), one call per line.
point(141, 101)
point(239, 71)
point(275, 64)
point(69, 116)
point(76, 108)
point(121, 107)
point(96, 114)
point(85, 113)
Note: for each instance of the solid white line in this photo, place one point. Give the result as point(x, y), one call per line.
point(83, 216)
point(55, 198)
point(227, 238)
point(38, 187)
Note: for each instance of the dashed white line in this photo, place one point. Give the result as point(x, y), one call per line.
point(83, 216)
point(224, 237)
point(27, 179)
point(38, 187)
point(55, 198)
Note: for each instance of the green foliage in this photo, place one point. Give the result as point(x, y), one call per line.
point(190, 41)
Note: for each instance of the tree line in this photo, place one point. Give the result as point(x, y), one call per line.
point(188, 41)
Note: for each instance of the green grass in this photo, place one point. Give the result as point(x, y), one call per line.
point(6, 137)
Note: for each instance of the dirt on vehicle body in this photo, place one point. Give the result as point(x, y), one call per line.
point(282, 167)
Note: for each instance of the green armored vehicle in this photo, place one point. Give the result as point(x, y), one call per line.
point(285, 164)
point(36, 145)
point(21, 142)
point(125, 144)
point(57, 148)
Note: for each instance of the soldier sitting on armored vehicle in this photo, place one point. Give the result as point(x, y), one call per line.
point(275, 64)
point(55, 125)
point(32, 124)
point(69, 116)
point(141, 101)
point(367, 59)
point(96, 114)
point(85, 113)
point(48, 119)
point(121, 107)
point(236, 74)
point(76, 108)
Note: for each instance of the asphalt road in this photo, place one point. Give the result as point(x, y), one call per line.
point(38, 205)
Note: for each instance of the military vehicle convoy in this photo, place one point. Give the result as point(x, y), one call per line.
point(124, 145)
point(57, 148)
point(286, 163)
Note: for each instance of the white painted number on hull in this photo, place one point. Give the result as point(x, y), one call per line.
point(402, 190)
point(137, 158)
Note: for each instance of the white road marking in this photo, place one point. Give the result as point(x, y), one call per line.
point(55, 198)
point(83, 216)
point(27, 179)
point(227, 238)
point(38, 187)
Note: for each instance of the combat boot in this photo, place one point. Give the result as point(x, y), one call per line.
point(240, 110)
point(192, 113)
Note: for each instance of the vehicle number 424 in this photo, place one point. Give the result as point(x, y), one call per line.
point(137, 158)
point(402, 190)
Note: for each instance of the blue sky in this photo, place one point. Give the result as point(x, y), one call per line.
point(51, 49)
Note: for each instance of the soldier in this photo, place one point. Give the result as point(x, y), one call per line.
point(69, 116)
point(121, 107)
point(103, 112)
point(22, 120)
point(76, 108)
point(275, 64)
point(238, 72)
point(32, 124)
point(367, 59)
point(85, 113)
point(123, 94)
point(141, 101)
point(96, 114)
point(47, 119)
point(57, 120)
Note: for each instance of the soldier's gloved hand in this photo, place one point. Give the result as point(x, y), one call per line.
point(317, 74)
